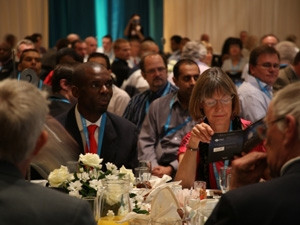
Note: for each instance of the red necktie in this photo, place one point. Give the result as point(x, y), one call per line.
point(93, 143)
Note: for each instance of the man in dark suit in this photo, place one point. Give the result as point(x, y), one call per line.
point(275, 201)
point(23, 113)
point(115, 137)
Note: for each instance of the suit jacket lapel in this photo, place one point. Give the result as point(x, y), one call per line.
point(109, 147)
point(72, 127)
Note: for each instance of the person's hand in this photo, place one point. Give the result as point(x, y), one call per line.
point(248, 169)
point(200, 132)
point(161, 170)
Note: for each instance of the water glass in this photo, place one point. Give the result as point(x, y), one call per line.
point(224, 178)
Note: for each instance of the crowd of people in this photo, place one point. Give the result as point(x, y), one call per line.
point(128, 101)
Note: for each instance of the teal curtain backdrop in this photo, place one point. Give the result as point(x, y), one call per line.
point(71, 16)
point(101, 17)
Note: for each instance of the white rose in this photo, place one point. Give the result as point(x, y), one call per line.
point(111, 167)
point(90, 159)
point(128, 173)
point(59, 176)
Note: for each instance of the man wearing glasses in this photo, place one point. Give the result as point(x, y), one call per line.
point(256, 91)
point(167, 121)
point(275, 201)
point(154, 70)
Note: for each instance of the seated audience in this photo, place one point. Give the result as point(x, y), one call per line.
point(66, 56)
point(23, 45)
point(120, 66)
point(136, 83)
point(107, 47)
point(196, 52)
point(287, 51)
point(97, 131)
point(29, 68)
point(7, 65)
point(288, 75)
point(134, 59)
point(154, 71)
point(164, 127)
point(268, 39)
point(255, 93)
point(175, 47)
point(80, 48)
point(215, 105)
point(274, 201)
point(61, 99)
point(91, 45)
point(23, 114)
point(235, 62)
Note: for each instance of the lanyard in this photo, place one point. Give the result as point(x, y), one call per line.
point(226, 163)
point(168, 131)
point(60, 100)
point(264, 89)
point(100, 132)
point(40, 81)
point(166, 91)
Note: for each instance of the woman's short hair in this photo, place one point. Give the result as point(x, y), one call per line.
point(211, 81)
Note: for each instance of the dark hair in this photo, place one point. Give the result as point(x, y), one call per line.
point(73, 44)
point(142, 62)
point(67, 51)
point(264, 49)
point(235, 41)
point(176, 68)
point(61, 71)
point(108, 36)
point(100, 55)
point(35, 36)
point(296, 59)
point(62, 43)
point(25, 51)
point(176, 38)
point(134, 14)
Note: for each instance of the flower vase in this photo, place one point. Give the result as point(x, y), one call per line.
point(115, 199)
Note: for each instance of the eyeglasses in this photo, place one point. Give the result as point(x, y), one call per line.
point(159, 69)
point(212, 102)
point(269, 65)
point(263, 129)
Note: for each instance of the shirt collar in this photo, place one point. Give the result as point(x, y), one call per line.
point(79, 123)
point(287, 164)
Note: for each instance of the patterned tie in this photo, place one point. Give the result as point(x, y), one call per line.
point(93, 143)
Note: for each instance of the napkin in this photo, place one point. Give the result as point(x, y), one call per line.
point(156, 181)
point(163, 210)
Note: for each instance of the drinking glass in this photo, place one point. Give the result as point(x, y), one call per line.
point(192, 209)
point(200, 187)
point(143, 171)
point(224, 178)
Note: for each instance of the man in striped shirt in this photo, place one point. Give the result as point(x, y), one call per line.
point(154, 70)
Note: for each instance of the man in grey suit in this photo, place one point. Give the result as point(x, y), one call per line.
point(23, 110)
point(275, 201)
